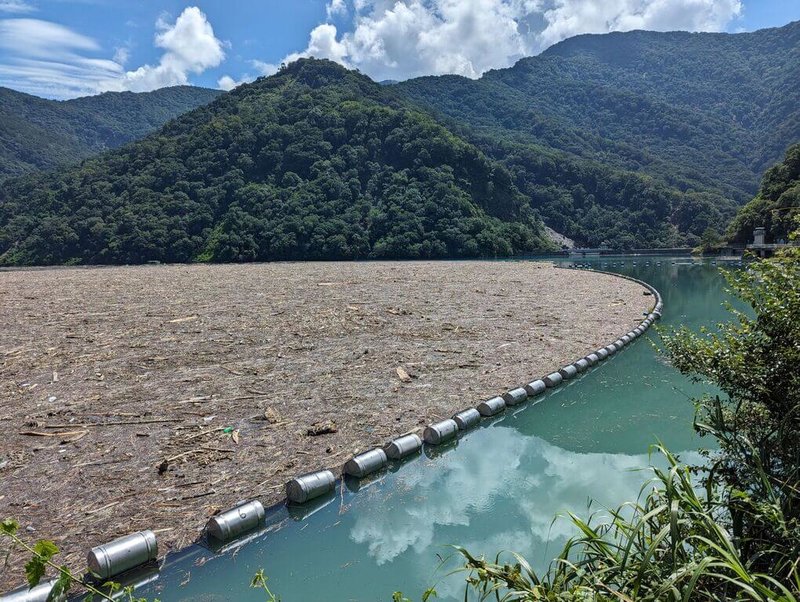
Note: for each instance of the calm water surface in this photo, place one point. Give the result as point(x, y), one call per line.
point(577, 449)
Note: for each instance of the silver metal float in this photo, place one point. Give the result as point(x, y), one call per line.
point(309, 486)
point(122, 554)
point(535, 388)
point(492, 406)
point(466, 419)
point(229, 525)
point(515, 396)
point(366, 463)
point(440, 432)
point(403, 446)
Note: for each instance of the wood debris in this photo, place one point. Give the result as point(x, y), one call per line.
point(127, 379)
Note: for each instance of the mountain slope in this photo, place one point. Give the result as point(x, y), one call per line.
point(38, 134)
point(701, 114)
point(316, 162)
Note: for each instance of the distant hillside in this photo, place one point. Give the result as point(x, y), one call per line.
point(38, 134)
point(700, 114)
point(316, 162)
point(776, 207)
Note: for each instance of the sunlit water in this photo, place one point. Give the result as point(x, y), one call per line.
point(579, 448)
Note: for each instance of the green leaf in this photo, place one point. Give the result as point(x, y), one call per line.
point(45, 549)
point(34, 571)
point(9, 526)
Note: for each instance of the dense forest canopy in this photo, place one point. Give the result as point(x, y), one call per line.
point(776, 207)
point(316, 162)
point(38, 134)
point(697, 118)
point(625, 140)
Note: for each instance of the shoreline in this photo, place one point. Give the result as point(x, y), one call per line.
point(392, 310)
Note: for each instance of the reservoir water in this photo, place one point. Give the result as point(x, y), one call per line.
point(579, 448)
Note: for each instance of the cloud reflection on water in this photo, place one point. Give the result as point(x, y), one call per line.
point(496, 470)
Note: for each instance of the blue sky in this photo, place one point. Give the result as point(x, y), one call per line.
point(62, 49)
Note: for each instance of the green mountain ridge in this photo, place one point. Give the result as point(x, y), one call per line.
point(628, 140)
point(700, 114)
point(316, 162)
point(38, 134)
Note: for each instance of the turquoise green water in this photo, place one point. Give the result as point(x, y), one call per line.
point(578, 448)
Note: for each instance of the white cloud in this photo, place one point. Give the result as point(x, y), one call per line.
point(48, 59)
point(190, 47)
point(336, 7)
point(226, 82)
point(122, 54)
point(567, 18)
point(16, 6)
point(397, 39)
point(322, 44)
point(40, 38)
point(264, 68)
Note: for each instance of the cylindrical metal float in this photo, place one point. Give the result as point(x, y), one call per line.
point(535, 388)
point(366, 463)
point(592, 358)
point(581, 365)
point(439, 432)
point(39, 593)
point(601, 354)
point(652, 317)
point(308, 486)
point(492, 406)
point(611, 349)
point(466, 419)
point(568, 372)
point(229, 525)
point(515, 396)
point(403, 446)
point(639, 331)
point(122, 554)
point(553, 380)
point(626, 339)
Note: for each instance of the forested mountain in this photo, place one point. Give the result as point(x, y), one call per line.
point(38, 134)
point(316, 162)
point(777, 204)
point(699, 114)
point(636, 139)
